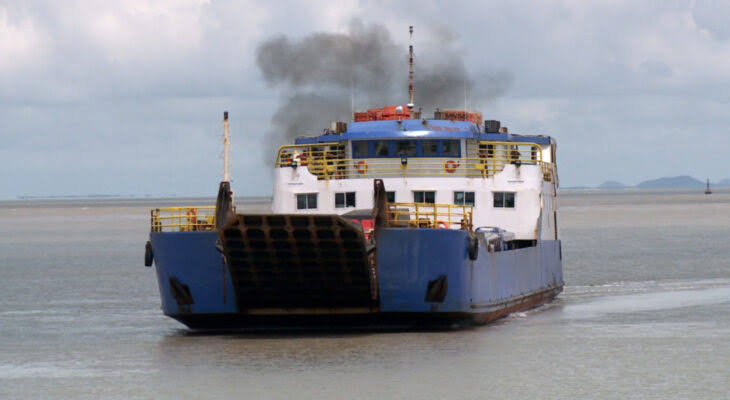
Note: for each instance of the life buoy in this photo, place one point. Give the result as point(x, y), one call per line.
point(451, 166)
point(303, 160)
point(361, 167)
point(442, 224)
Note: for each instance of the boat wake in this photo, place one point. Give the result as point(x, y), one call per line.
point(631, 297)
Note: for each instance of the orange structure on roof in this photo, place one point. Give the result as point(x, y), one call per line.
point(458, 115)
point(382, 114)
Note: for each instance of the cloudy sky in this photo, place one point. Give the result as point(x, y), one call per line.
point(126, 97)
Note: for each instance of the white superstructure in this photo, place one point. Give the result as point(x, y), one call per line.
point(510, 184)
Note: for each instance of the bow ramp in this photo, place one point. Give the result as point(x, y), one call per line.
point(299, 264)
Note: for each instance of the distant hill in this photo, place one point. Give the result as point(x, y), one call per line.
point(724, 182)
point(576, 187)
point(675, 182)
point(612, 185)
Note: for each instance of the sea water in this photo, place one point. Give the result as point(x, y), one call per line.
point(645, 314)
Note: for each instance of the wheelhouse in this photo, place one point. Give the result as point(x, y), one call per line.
point(507, 180)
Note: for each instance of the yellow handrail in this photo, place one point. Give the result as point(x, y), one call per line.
point(328, 161)
point(428, 215)
point(182, 219)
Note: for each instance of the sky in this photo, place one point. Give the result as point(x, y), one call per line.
point(127, 97)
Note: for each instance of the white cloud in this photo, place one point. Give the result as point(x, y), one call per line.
point(130, 30)
point(96, 81)
point(21, 43)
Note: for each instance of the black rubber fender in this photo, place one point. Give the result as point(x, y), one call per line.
point(149, 255)
point(473, 247)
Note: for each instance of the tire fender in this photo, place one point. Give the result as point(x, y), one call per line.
point(149, 255)
point(473, 247)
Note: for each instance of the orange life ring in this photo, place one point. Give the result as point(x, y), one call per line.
point(361, 167)
point(442, 225)
point(451, 166)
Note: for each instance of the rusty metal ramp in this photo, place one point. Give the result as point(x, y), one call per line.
point(298, 264)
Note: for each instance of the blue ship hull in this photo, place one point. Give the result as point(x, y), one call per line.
point(197, 288)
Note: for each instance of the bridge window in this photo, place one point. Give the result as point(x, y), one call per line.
point(464, 198)
point(424, 197)
point(406, 148)
point(430, 148)
point(410, 148)
point(343, 200)
point(381, 149)
point(306, 201)
point(450, 148)
point(504, 199)
point(391, 197)
point(360, 149)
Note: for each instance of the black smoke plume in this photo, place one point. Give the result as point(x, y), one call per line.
point(316, 74)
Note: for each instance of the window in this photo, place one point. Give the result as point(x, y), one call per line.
point(381, 148)
point(343, 200)
point(424, 197)
point(430, 148)
point(306, 201)
point(504, 199)
point(464, 198)
point(409, 148)
point(405, 148)
point(451, 148)
point(360, 149)
point(391, 197)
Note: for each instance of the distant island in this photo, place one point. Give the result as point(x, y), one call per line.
point(676, 182)
point(86, 196)
point(612, 185)
point(73, 196)
point(671, 182)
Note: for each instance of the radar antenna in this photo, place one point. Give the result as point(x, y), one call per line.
point(410, 70)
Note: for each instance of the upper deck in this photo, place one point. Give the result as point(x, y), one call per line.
point(416, 148)
point(422, 129)
point(509, 180)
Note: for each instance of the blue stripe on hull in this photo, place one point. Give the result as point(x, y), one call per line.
point(408, 259)
point(192, 259)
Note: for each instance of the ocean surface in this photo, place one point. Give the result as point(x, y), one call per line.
point(645, 315)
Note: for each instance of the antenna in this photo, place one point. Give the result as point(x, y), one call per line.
point(226, 142)
point(465, 109)
point(410, 69)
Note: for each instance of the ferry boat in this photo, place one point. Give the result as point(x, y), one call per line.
point(392, 220)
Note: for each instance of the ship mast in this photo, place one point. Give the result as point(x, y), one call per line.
point(226, 142)
point(410, 69)
point(224, 208)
